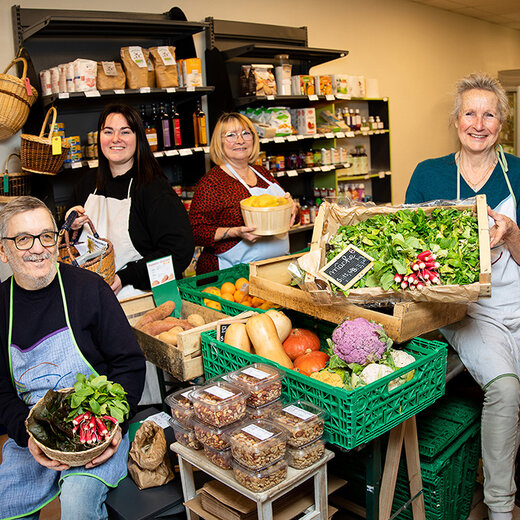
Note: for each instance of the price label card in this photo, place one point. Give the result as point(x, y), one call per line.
point(93, 163)
point(63, 95)
point(317, 168)
point(56, 145)
point(348, 267)
point(366, 177)
point(307, 169)
point(158, 154)
point(330, 97)
point(279, 139)
point(76, 164)
point(292, 138)
point(298, 137)
point(144, 90)
point(198, 149)
point(279, 174)
point(329, 135)
point(381, 175)
point(370, 132)
point(351, 134)
point(364, 133)
point(219, 392)
point(342, 96)
point(120, 91)
point(291, 173)
point(317, 136)
point(270, 97)
point(92, 93)
point(339, 135)
point(313, 97)
point(170, 90)
point(162, 419)
point(185, 151)
point(346, 165)
point(190, 89)
point(163, 282)
point(206, 149)
point(171, 152)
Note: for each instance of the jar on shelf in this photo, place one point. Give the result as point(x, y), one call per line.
point(283, 73)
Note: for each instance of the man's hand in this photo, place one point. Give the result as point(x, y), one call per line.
point(42, 459)
point(112, 448)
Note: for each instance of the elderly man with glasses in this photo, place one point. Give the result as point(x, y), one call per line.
point(57, 321)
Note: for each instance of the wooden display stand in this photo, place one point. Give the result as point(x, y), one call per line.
point(189, 458)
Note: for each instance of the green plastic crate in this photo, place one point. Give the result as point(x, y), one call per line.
point(357, 416)
point(191, 288)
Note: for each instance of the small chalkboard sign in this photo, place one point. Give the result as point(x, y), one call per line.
point(348, 267)
point(222, 326)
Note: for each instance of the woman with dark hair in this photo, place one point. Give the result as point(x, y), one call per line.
point(131, 203)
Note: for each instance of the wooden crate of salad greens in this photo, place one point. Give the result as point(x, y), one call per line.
point(422, 254)
point(172, 344)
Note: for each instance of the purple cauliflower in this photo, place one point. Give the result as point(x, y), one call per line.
point(360, 341)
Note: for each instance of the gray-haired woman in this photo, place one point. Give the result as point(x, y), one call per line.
point(488, 339)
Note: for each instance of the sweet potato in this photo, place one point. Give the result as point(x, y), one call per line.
point(158, 326)
point(156, 314)
point(170, 336)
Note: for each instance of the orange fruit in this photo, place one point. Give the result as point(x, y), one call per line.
point(212, 290)
point(240, 282)
point(227, 287)
point(247, 302)
point(227, 296)
point(211, 304)
point(256, 302)
point(267, 305)
point(239, 296)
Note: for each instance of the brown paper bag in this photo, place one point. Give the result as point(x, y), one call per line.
point(148, 461)
point(135, 62)
point(110, 75)
point(165, 66)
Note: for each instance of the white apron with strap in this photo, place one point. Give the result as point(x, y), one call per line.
point(51, 363)
point(265, 247)
point(497, 317)
point(111, 217)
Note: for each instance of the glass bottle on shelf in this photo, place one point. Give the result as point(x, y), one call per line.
point(380, 124)
point(176, 127)
point(155, 121)
point(199, 126)
point(164, 118)
point(358, 120)
point(346, 116)
point(363, 160)
point(149, 130)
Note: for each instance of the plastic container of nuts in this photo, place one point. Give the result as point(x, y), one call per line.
point(263, 382)
point(181, 405)
point(264, 412)
point(219, 403)
point(303, 421)
point(257, 444)
point(305, 456)
point(214, 436)
point(262, 479)
point(221, 458)
point(184, 436)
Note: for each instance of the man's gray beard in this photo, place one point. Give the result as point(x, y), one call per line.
point(31, 282)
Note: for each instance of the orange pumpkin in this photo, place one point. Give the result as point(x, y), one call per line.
point(299, 341)
point(310, 362)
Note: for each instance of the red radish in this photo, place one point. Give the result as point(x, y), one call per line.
point(404, 285)
point(424, 255)
point(398, 278)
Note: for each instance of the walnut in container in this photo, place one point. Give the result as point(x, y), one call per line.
point(184, 436)
point(303, 421)
point(219, 403)
point(261, 479)
point(266, 411)
point(262, 381)
point(305, 456)
point(181, 405)
point(257, 444)
point(213, 436)
point(221, 458)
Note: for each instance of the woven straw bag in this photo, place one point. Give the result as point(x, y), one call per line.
point(104, 264)
point(14, 184)
point(71, 458)
point(15, 101)
point(36, 151)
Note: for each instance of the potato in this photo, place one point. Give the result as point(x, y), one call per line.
point(170, 336)
point(196, 320)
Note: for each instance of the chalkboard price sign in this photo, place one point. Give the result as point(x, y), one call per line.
point(348, 267)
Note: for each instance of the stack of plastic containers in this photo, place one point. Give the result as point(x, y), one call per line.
point(181, 407)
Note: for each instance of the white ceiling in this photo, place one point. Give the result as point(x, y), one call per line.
point(501, 12)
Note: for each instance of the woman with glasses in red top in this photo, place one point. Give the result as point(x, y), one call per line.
point(215, 213)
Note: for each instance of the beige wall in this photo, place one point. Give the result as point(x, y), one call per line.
point(416, 52)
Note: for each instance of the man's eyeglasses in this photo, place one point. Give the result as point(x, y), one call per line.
point(25, 241)
point(231, 137)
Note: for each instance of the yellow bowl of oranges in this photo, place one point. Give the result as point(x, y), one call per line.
point(270, 214)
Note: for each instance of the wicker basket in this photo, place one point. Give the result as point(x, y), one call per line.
point(14, 184)
point(15, 102)
point(71, 458)
point(104, 265)
point(36, 151)
point(269, 221)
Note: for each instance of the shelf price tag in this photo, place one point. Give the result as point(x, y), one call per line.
point(299, 137)
point(198, 149)
point(351, 134)
point(346, 165)
point(206, 149)
point(330, 97)
point(270, 97)
point(307, 169)
point(92, 93)
point(291, 173)
point(93, 163)
point(185, 151)
point(313, 97)
point(63, 95)
point(279, 174)
point(170, 90)
point(292, 138)
point(120, 91)
point(190, 89)
point(145, 90)
point(317, 136)
point(381, 175)
point(158, 154)
point(339, 135)
point(348, 267)
point(279, 139)
point(171, 152)
point(364, 133)
point(317, 168)
point(56, 145)
point(329, 135)
point(343, 96)
point(76, 164)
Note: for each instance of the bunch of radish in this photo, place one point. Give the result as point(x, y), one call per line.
point(424, 272)
point(92, 429)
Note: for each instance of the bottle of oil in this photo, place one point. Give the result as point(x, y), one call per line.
point(176, 127)
point(151, 134)
point(199, 126)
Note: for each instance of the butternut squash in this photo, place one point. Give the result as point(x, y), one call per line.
point(236, 336)
point(264, 337)
point(281, 322)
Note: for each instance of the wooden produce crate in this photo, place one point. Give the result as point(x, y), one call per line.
point(270, 279)
point(183, 361)
point(332, 216)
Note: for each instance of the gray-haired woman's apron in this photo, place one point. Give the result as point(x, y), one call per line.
point(52, 362)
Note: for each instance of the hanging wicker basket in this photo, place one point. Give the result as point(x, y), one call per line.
point(104, 264)
point(15, 100)
point(36, 151)
point(14, 184)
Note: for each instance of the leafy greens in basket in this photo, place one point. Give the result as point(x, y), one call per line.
point(395, 240)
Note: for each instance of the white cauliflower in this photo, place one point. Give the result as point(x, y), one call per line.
point(401, 359)
point(373, 372)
